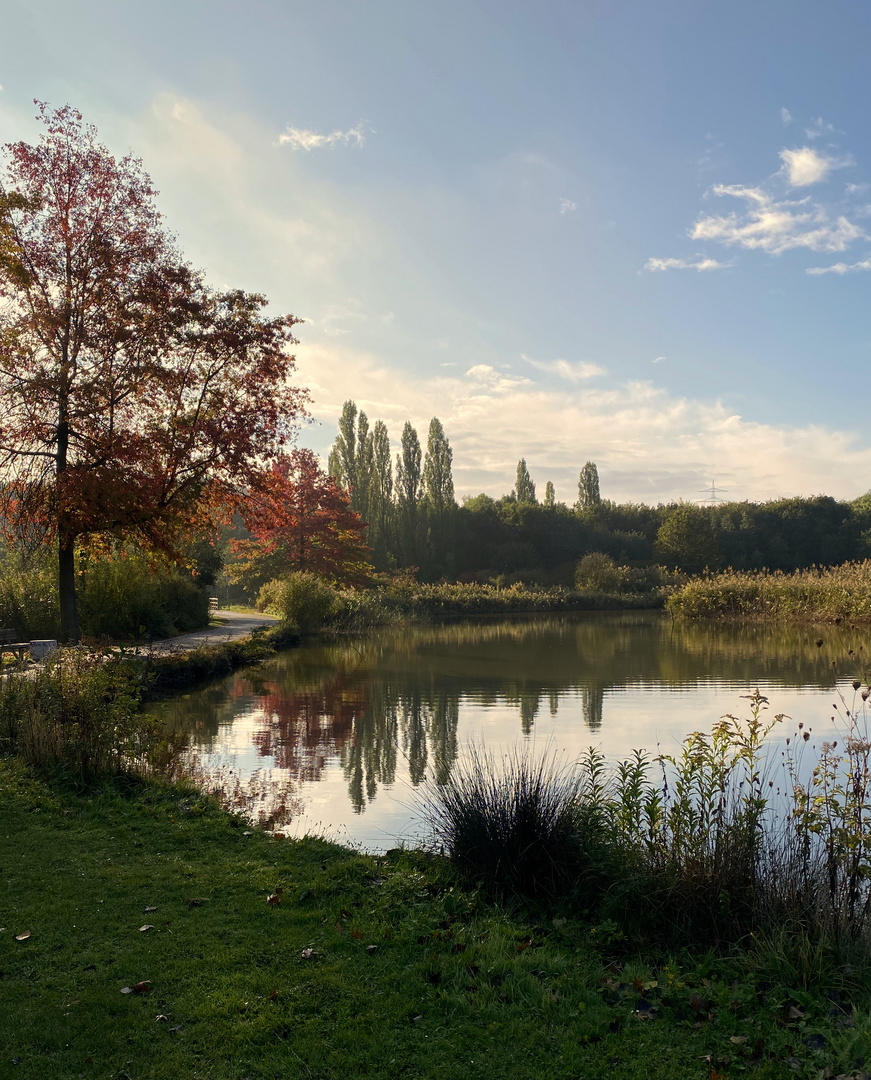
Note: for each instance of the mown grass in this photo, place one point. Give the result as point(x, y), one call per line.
point(820, 594)
point(411, 973)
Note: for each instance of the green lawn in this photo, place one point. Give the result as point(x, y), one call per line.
point(363, 967)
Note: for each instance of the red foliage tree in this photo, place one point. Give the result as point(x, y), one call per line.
point(131, 395)
point(301, 519)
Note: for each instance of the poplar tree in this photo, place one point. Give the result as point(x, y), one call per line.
point(343, 456)
point(380, 492)
point(549, 496)
point(588, 486)
point(524, 488)
point(438, 483)
point(409, 488)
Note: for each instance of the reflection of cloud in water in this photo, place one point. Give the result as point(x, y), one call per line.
point(351, 728)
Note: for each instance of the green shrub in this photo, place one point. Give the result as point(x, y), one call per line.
point(126, 598)
point(303, 601)
point(29, 599)
point(79, 710)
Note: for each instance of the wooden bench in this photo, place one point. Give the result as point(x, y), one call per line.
point(9, 644)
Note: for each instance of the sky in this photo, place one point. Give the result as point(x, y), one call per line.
point(628, 232)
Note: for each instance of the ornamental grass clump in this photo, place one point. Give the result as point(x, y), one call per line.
point(521, 830)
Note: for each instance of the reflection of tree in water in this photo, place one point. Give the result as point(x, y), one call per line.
point(368, 701)
point(304, 728)
point(592, 703)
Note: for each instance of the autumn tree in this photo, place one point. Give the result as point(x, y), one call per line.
point(588, 486)
point(301, 519)
point(131, 395)
point(524, 488)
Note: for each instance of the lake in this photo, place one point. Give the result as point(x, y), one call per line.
point(336, 737)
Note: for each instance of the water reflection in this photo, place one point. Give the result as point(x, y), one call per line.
point(383, 711)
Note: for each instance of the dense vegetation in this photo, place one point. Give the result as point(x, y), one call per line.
point(820, 594)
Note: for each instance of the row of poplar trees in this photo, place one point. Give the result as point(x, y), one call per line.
point(410, 511)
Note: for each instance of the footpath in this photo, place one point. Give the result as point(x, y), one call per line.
point(234, 626)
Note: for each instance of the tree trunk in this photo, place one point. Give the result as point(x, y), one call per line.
point(69, 613)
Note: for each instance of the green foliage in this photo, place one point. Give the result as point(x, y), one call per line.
point(29, 598)
point(303, 601)
point(820, 594)
point(687, 539)
point(597, 572)
point(524, 488)
point(79, 710)
point(124, 598)
point(588, 486)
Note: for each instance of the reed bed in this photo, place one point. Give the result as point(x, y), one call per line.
point(819, 594)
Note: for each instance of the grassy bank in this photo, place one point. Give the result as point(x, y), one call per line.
point(272, 958)
point(830, 594)
point(309, 604)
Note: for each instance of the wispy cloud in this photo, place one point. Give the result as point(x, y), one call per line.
point(303, 139)
point(574, 372)
point(566, 206)
point(841, 268)
point(774, 226)
point(659, 359)
point(648, 444)
point(819, 127)
point(786, 116)
point(805, 166)
point(658, 265)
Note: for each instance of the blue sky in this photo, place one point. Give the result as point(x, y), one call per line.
point(638, 233)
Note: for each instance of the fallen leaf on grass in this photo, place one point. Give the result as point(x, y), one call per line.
point(22, 937)
point(148, 910)
point(796, 1012)
point(137, 988)
point(197, 901)
point(160, 1018)
point(308, 954)
point(739, 1040)
point(274, 994)
point(371, 949)
point(147, 926)
point(273, 899)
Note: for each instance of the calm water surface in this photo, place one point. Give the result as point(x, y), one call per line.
point(337, 737)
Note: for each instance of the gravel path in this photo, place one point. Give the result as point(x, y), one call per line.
point(236, 624)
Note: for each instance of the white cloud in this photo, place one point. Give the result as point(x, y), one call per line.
point(303, 139)
point(774, 226)
point(841, 268)
point(648, 444)
point(659, 359)
point(857, 189)
point(566, 206)
point(805, 166)
point(786, 116)
point(582, 369)
point(658, 265)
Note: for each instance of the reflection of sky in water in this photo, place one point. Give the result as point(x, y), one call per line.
point(343, 703)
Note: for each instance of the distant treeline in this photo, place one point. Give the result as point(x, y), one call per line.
point(415, 520)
